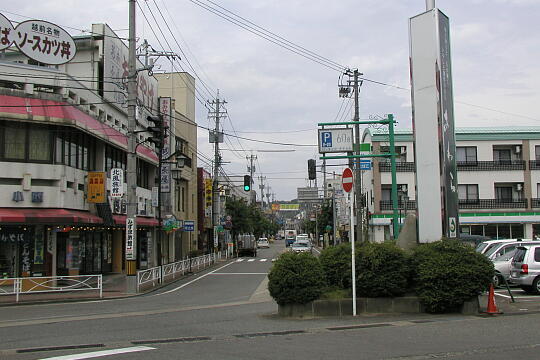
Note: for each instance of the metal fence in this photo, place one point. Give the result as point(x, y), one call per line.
point(168, 272)
point(50, 284)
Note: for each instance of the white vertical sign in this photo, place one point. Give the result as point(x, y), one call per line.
point(131, 239)
point(117, 183)
point(155, 195)
point(165, 110)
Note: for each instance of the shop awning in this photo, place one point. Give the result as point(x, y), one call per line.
point(47, 216)
point(141, 221)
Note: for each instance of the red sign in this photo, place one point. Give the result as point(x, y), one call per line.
point(347, 180)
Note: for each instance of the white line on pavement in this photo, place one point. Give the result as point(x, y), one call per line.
point(263, 260)
point(250, 260)
point(96, 354)
point(192, 281)
point(252, 273)
point(240, 260)
point(317, 250)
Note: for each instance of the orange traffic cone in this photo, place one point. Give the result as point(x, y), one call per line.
point(492, 306)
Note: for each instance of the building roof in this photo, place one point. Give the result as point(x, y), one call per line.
point(464, 134)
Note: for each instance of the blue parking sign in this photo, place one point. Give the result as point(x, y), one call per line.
point(326, 139)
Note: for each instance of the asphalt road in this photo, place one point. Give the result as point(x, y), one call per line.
point(226, 313)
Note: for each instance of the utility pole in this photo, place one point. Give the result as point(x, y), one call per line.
point(131, 173)
point(216, 139)
point(261, 179)
point(358, 171)
point(251, 170)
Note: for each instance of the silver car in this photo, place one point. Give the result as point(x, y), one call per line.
point(301, 246)
point(525, 268)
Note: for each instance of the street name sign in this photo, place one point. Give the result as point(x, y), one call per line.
point(335, 140)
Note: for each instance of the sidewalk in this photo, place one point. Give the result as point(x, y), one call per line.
point(521, 306)
point(114, 287)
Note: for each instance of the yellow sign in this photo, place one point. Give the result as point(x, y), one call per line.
point(289, 207)
point(208, 192)
point(96, 187)
point(275, 207)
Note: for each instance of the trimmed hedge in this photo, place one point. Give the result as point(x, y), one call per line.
point(336, 263)
point(381, 270)
point(296, 279)
point(446, 273)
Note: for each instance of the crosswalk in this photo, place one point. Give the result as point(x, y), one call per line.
point(253, 260)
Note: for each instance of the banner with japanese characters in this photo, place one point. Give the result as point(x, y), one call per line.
point(6, 32)
point(117, 183)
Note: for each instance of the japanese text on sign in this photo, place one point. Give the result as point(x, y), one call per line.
point(96, 187)
point(131, 239)
point(117, 183)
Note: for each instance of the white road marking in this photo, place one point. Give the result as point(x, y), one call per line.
point(252, 273)
point(240, 260)
point(263, 260)
point(314, 248)
point(192, 281)
point(96, 354)
point(251, 260)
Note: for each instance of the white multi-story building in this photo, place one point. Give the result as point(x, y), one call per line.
point(57, 124)
point(498, 177)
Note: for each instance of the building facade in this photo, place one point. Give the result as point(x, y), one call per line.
point(58, 125)
point(498, 181)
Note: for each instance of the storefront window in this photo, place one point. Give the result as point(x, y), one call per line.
point(517, 231)
point(15, 141)
point(16, 252)
point(504, 231)
point(39, 144)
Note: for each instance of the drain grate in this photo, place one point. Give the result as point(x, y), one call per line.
point(55, 348)
point(272, 333)
point(172, 340)
point(352, 327)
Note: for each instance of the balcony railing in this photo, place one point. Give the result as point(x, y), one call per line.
point(387, 204)
point(492, 204)
point(384, 166)
point(534, 164)
point(491, 165)
point(535, 203)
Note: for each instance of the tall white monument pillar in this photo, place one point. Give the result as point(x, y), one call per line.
point(433, 125)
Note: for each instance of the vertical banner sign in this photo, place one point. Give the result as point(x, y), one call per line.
point(165, 110)
point(208, 197)
point(155, 195)
point(131, 239)
point(446, 121)
point(117, 183)
point(96, 187)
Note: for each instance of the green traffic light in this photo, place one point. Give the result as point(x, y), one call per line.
point(246, 188)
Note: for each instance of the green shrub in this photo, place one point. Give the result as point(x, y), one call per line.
point(296, 279)
point(336, 263)
point(381, 270)
point(447, 273)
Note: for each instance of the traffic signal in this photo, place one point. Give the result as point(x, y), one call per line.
point(156, 130)
point(312, 172)
point(247, 183)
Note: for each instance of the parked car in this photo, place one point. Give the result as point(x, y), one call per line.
point(263, 243)
point(500, 249)
point(525, 268)
point(502, 266)
point(301, 246)
point(485, 246)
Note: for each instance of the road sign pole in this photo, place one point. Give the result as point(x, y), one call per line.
point(353, 260)
point(394, 177)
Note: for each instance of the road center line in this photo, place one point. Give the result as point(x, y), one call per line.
point(96, 354)
point(192, 281)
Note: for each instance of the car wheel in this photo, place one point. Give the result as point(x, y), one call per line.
point(497, 280)
point(536, 286)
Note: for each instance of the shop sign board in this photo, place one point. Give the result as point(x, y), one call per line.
point(96, 187)
point(6, 32)
point(155, 195)
point(117, 183)
point(335, 140)
point(165, 109)
point(131, 239)
point(44, 42)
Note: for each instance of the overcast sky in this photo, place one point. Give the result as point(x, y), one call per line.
point(276, 95)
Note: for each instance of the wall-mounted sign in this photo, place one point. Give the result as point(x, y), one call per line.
point(96, 187)
point(335, 140)
point(44, 42)
point(189, 225)
point(6, 32)
point(117, 183)
point(37, 196)
point(131, 239)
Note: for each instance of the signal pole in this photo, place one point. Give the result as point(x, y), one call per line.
point(251, 170)
point(216, 139)
point(131, 172)
point(261, 179)
point(358, 172)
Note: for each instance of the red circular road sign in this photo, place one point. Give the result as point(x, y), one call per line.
point(347, 180)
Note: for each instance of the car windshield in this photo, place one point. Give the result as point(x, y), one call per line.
point(481, 247)
point(300, 244)
point(519, 255)
point(506, 256)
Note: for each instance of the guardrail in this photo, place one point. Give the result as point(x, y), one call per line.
point(50, 284)
point(167, 272)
